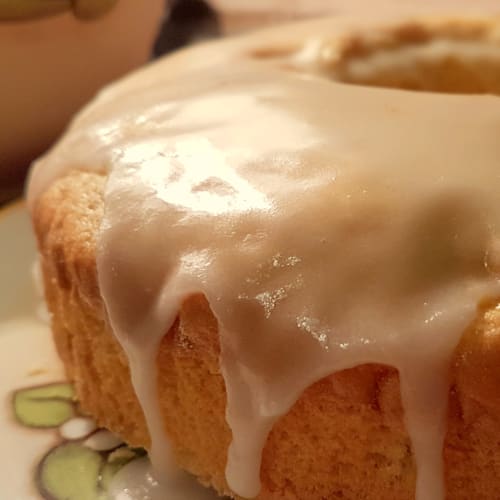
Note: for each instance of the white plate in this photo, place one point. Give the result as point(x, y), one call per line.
point(48, 450)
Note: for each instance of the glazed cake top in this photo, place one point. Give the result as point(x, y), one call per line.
point(328, 225)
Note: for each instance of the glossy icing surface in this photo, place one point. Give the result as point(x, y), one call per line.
point(137, 481)
point(328, 225)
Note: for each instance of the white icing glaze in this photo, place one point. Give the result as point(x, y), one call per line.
point(328, 226)
point(137, 481)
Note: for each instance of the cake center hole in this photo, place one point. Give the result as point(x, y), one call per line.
point(450, 60)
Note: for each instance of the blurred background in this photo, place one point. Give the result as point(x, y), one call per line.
point(54, 56)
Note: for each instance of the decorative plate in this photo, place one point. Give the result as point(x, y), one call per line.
point(49, 449)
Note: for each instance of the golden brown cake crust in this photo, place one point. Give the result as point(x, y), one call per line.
point(344, 438)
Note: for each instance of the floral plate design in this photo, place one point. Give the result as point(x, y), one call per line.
point(50, 449)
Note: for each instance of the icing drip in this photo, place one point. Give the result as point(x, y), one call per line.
point(137, 481)
point(327, 225)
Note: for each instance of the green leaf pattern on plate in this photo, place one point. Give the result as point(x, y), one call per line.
point(116, 460)
point(71, 470)
point(46, 406)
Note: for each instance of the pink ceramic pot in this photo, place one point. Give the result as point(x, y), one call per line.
point(54, 56)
